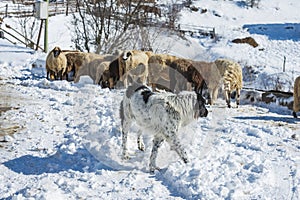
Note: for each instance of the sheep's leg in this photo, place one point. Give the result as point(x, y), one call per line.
point(60, 75)
point(238, 94)
point(295, 114)
point(157, 141)
point(214, 95)
point(140, 143)
point(227, 97)
point(227, 94)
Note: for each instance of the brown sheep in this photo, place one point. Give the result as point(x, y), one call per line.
point(232, 77)
point(101, 69)
point(75, 61)
point(87, 64)
point(212, 77)
point(111, 76)
point(189, 74)
point(158, 67)
point(296, 105)
point(150, 9)
point(56, 64)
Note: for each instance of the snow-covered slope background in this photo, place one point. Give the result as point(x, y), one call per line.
point(61, 140)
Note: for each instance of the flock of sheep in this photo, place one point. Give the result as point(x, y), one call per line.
point(160, 71)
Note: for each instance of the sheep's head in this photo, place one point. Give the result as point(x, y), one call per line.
point(107, 80)
point(126, 55)
point(56, 51)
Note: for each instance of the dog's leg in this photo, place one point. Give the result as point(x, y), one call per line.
point(140, 143)
point(173, 140)
point(124, 141)
point(125, 129)
point(157, 141)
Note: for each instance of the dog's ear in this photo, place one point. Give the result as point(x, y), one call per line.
point(130, 90)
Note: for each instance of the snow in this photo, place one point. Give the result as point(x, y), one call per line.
point(61, 140)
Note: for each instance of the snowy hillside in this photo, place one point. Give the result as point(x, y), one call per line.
point(61, 140)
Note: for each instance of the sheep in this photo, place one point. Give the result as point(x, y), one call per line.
point(101, 69)
point(296, 105)
point(232, 78)
point(134, 65)
point(87, 64)
point(184, 72)
point(150, 9)
point(158, 71)
point(75, 61)
point(212, 77)
point(111, 76)
point(56, 64)
point(130, 65)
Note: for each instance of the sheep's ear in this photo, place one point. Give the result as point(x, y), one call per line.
point(129, 54)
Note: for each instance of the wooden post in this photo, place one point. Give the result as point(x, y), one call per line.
point(67, 10)
point(39, 36)
point(284, 59)
point(6, 10)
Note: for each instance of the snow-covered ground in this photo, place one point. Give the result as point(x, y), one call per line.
point(60, 140)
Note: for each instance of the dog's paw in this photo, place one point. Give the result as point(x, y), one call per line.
point(126, 157)
point(152, 169)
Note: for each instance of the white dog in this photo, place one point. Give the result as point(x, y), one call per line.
point(162, 114)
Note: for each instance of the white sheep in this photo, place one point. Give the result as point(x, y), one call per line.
point(232, 77)
point(56, 64)
point(296, 105)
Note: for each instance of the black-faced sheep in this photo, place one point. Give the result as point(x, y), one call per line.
point(231, 73)
point(129, 66)
point(56, 64)
point(296, 105)
point(158, 67)
point(184, 71)
point(134, 64)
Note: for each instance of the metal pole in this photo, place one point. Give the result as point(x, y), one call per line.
point(46, 30)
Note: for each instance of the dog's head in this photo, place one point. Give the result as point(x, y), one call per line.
point(200, 109)
point(136, 87)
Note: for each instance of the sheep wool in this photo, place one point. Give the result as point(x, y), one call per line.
point(232, 76)
point(56, 64)
point(296, 105)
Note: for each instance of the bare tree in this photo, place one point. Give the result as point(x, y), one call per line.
point(103, 26)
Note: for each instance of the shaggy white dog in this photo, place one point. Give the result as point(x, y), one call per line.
point(160, 113)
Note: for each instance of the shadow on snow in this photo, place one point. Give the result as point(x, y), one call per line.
point(287, 31)
point(81, 161)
